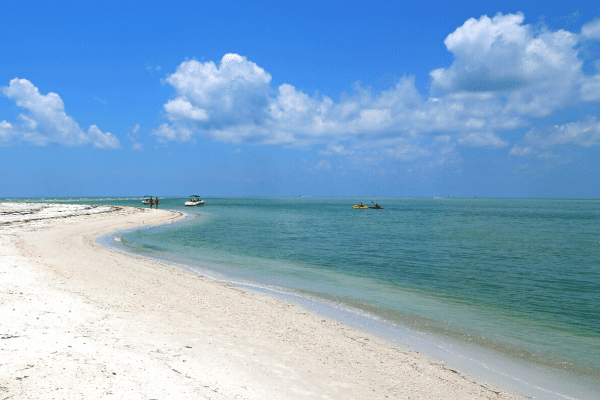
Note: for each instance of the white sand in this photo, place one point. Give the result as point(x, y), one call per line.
point(78, 321)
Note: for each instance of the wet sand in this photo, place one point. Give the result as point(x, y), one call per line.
point(82, 321)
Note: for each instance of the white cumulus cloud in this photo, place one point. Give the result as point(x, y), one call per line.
point(181, 109)
point(506, 74)
point(102, 140)
point(46, 122)
point(535, 72)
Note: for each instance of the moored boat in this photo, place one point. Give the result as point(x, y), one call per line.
point(194, 200)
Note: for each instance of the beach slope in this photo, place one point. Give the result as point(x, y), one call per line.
point(80, 321)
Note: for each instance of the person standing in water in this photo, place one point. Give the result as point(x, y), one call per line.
point(156, 203)
point(151, 202)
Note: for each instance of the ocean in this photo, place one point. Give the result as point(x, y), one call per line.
point(509, 286)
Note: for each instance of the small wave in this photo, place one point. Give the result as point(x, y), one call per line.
point(118, 239)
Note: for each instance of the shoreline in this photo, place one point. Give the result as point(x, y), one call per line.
point(144, 318)
point(513, 374)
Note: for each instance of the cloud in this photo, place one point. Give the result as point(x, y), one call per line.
point(179, 109)
point(166, 133)
point(234, 93)
point(153, 68)
point(591, 30)
point(406, 152)
point(215, 100)
point(505, 75)
point(101, 101)
point(482, 139)
point(323, 164)
point(134, 137)
point(102, 140)
point(334, 148)
point(582, 133)
point(530, 73)
point(590, 88)
point(46, 122)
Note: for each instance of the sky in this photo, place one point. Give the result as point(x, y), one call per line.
point(314, 98)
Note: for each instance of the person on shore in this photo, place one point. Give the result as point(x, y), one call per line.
point(151, 202)
point(156, 203)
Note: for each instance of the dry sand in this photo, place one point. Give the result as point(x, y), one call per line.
point(78, 321)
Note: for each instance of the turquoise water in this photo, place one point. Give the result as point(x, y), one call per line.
point(518, 276)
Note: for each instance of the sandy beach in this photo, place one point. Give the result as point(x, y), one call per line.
point(79, 321)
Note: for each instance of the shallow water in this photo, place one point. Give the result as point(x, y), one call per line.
point(519, 277)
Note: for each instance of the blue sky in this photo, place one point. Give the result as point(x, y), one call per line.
point(330, 98)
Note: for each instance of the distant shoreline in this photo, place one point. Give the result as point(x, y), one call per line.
point(54, 199)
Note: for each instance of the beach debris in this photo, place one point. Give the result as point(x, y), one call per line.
point(8, 336)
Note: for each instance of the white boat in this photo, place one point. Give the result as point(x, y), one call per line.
point(194, 201)
point(146, 200)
